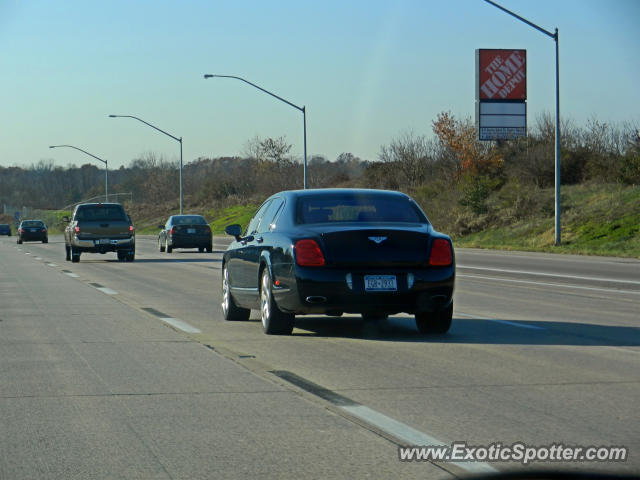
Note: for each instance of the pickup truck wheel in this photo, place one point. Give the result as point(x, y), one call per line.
point(19, 242)
point(200, 249)
point(438, 322)
point(209, 248)
point(160, 246)
point(168, 247)
point(122, 256)
point(131, 256)
point(46, 240)
point(67, 251)
point(75, 255)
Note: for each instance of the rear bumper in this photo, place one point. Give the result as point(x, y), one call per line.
point(190, 241)
point(325, 290)
point(94, 246)
point(33, 237)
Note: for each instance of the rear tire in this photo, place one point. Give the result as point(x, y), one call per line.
point(230, 311)
point(167, 247)
point(19, 241)
point(67, 251)
point(122, 256)
point(131, 256)
point(160, 246)
point(274, 321)
point(438, 322)
point(75, 255)
point(209, 248)
point(201, 249)
point(46, 240)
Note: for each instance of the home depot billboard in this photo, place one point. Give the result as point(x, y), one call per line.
point(502, 74)
point(501, 93)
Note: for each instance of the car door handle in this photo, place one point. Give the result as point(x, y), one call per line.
point(259, 239)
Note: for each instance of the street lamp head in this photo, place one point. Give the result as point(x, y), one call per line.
point(207, 75)
point(113, 116)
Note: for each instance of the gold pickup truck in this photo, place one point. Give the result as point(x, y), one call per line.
point(100, 228)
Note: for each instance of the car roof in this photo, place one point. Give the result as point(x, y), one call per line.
point(338, 191)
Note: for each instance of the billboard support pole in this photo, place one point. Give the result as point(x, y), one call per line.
point(558, 236)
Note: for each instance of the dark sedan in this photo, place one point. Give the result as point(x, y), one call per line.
point(185, 231)
point(32, 230)
point(5, 229)
point(334, 251)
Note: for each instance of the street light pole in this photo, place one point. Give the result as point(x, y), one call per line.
point(302, 109)
point(558, 240)
point(106, 167)
point(167, 134)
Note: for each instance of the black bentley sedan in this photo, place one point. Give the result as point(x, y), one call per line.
point(185, 231)
point(334, 251)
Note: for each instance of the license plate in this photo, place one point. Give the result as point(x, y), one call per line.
point(191, 230)
point(104, 241)
point(380, 283)
point(34, 229)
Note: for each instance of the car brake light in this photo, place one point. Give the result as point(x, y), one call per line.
point(77, 229)
point(441, 254)
point(131, 228)
point(173, 230)
point(207, 229)
point(44, 230)
point(308, 253)
point(20, 230)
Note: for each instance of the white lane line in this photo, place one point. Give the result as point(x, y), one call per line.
point(52, 264)
point(106, 290)
point(408, 434)
point(497, 279)
point(506, 322)
point(27, 253)
point(179, 324)
point(37, 258)
point(72, 275)
point(557, 275)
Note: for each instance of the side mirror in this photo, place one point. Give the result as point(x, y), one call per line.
point(161, 227)
point(234, 230)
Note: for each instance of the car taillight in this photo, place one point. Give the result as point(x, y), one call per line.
point(308, 253)
point(20, 230)
point(77, 229)
point(44, 230)
point(131, 228)
point(207, 229)
point(441, 253)
point(173, 230)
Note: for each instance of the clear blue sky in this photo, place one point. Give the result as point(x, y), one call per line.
point(367, 71)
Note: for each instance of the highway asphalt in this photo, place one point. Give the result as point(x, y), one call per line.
point(127, 370)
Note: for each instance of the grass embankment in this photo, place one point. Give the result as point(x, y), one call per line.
point(596, 220)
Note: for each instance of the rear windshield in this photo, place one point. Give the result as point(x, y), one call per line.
point(353, 207)
point(188, 220)
point(114, 213)
point(32, 223)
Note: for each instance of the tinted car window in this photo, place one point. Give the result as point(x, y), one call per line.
point(101, 213)
point(32, 223)
point(189, 220)
point(270, 214)
point(255, 221)
point(347, 207)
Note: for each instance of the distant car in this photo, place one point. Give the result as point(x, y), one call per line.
point(185, 231)
point(5, 229)
point(334, 251)
point(100, 228)
point(32, 230)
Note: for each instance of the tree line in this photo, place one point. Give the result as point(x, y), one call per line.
point(456, 178)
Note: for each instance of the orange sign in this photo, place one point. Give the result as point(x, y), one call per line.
point(502, 74)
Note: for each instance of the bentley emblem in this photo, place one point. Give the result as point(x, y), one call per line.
point(378, 240)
